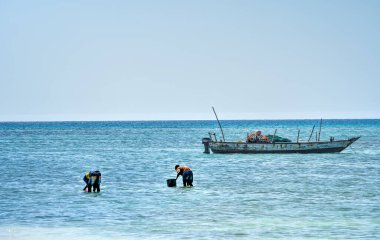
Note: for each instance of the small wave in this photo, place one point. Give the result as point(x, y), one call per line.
point(369, 152)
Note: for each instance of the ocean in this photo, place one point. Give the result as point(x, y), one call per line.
point(235, 196)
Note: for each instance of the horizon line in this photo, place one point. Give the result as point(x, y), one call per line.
point(183, 120)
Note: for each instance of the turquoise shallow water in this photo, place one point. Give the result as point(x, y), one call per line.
point(234, 196)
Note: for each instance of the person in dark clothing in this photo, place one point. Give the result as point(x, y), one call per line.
point(186, 173)
point(92, 180)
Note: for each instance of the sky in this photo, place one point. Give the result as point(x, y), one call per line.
point(95, 60)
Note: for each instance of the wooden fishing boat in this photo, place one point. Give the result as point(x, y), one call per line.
point(331, 146)
point(257, 143)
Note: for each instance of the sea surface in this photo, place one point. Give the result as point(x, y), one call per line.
point(235, 196)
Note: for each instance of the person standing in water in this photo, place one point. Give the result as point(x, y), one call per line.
point(92, 180)
point(186, 173)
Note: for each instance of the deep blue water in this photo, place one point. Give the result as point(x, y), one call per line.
point(235, 196)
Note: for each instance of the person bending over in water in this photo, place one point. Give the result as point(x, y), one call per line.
point(186, 173)
point(92, 180)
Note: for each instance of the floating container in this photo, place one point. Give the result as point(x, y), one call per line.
point(171, 182)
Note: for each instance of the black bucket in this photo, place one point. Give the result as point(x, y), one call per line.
point(171, 182)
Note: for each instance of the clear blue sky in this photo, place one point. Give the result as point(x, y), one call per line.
point(143, 60)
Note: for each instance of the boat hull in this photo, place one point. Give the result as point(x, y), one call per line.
point(281, 147)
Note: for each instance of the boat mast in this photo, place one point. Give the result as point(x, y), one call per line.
point(311, 134)
point(298, 135)
point(220, 126)
point(320, 126)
